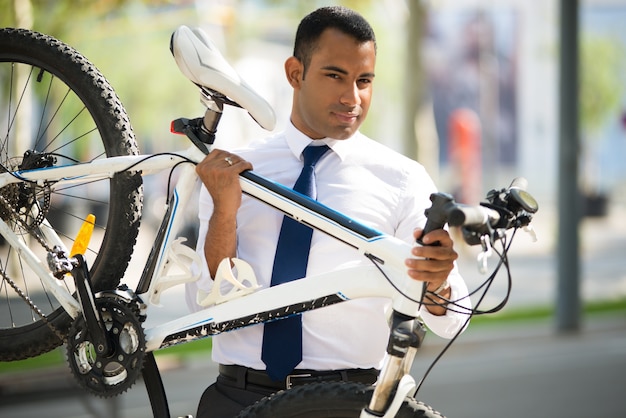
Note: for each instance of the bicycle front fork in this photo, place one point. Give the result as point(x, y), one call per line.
point(407, 335)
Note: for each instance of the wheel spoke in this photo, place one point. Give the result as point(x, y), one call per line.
point(57, 109)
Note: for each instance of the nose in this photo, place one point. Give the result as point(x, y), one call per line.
point(351, 95)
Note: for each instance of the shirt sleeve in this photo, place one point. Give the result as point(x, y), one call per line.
point(419, 188)
point(457, 316)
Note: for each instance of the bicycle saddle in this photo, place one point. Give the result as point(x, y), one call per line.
point(202, 63)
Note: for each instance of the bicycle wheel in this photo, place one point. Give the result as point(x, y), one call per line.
point(57, 109)
point(331, 399)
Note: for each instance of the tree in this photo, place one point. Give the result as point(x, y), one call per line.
point(602, 60)
point(600, 93)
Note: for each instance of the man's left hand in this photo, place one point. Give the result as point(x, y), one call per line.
point(433, 264)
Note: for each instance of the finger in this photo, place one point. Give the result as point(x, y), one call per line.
point(216, 155)
point(445, 263)
point(434, 279)
point(241, 165)
point(434, 272)
point(417, 233)
point(443, 253)
point(440, 236)
point(220, 159)
point(235, 161)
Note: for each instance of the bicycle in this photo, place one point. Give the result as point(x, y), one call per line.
point(83, 157)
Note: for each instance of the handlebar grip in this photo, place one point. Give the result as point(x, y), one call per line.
point(463, 215)
point(437, 214)
point(445, 210)
point(505, 209)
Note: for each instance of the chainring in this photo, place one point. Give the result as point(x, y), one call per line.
point(115, 372)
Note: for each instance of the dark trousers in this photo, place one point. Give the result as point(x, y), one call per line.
point(224, 399)
point(237, 388)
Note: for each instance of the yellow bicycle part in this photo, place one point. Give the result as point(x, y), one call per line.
point(84, 236)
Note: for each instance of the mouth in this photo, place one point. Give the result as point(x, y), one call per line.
point(346, 118)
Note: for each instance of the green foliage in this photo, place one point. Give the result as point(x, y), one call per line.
point(128, 41)
point(53, 358)
point(56, 358)
point(614, 307)
point(601, 63)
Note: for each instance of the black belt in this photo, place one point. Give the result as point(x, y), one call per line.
point(246, 376)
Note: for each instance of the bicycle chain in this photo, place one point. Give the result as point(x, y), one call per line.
point(32, 305)
point(13, 285)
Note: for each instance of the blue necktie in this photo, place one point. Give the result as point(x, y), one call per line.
point(282, 339)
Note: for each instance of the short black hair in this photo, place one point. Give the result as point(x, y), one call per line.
point(338, 17)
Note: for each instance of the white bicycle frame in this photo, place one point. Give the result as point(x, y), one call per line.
point(246, 305)
point(169, 263)
point(356, 282)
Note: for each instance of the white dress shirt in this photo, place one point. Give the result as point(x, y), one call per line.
point(362, 179)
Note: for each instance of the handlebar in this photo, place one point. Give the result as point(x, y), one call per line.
point(445, 210)
point(512, 207)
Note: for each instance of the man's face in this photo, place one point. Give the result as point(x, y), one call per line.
point(333, 97)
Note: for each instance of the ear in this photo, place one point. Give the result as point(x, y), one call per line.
point(293, 71)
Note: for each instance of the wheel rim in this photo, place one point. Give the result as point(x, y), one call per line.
point(63, 115)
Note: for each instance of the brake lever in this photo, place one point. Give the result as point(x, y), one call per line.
point(484, 255)
point(531, 231)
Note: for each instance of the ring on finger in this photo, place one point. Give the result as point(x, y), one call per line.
point(229, 160)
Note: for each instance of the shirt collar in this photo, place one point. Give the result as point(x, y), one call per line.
point(297, 142)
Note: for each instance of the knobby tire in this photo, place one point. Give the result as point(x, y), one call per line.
point(72, 115)
point(326, 400)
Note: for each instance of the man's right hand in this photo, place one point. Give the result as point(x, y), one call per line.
point(219, 172)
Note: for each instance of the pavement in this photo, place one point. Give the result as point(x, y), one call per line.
point(501, 369)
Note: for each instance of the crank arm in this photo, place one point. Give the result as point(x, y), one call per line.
point(95, 326)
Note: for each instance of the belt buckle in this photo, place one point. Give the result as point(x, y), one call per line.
point(289, 384)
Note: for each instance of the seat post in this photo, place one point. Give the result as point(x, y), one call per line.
point(214, 107)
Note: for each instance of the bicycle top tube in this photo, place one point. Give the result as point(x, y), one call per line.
point(312, 206)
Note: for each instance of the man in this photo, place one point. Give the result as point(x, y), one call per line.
point(331, 73)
